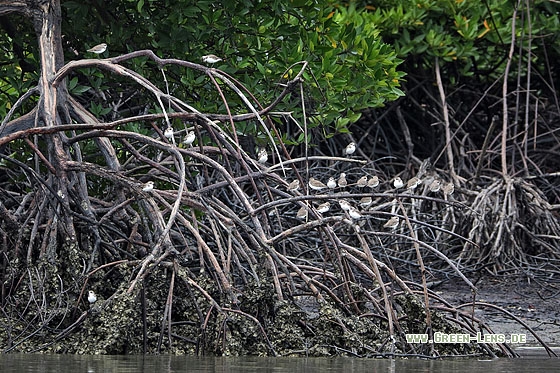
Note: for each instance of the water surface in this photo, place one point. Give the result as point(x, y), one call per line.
point(11, 363)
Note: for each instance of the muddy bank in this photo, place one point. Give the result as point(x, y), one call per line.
point(534, 301)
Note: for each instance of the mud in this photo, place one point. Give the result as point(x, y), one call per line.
point(533, 301)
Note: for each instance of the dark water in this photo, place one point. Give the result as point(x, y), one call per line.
point(106, 364)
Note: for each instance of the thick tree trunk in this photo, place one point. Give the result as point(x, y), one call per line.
point(46, 18)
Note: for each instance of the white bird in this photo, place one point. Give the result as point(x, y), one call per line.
point(331, 184)
point(342, 180)
point(362, 182)
point(148, 187)
point(365, 201)
point(373, 182)
point(262, 156)
point(413, 183)
point(302, 213)
point(354, 213)
point(211, 58)
point(168, 133)
point(392, 223)
point(92, 298)
point(324, 207)
point(98, 49)
point(398, 183)
point(350, 148)
point(293, 186)
point(189, 138)
point(435, 186)
point(448, 189)
point(344, 204)
point(316, 184)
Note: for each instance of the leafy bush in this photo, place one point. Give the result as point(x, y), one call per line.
point(471, 36)
point(350, 68)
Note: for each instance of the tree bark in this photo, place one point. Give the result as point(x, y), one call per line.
point(46, 19)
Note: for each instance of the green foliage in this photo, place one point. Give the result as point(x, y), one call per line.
point(350, 68)
point(355, 69)
point(75, 88)
point(18, 62)
point(98, 110)
point(469, 35)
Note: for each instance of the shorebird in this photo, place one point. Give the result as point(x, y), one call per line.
point(98, 49)
point(189, 138)
point(148, 187)
point(413, 183)
point(373, 182)
point(342, 180)
point(365, 201)
point(392, 223)
point(302, 213)
point(91, 297)
point(331, 184)
point(344, 204)
point(324, 207)
point(448, 189)
point(262, 156)
point(354, 213)
point(293, 186)
point(350, 148)
point(435, 186)
point(316, 184)
point(397, 182)
point(168, 133)
point(362, 182)
point(211, 58)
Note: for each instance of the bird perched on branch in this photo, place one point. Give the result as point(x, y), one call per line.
point(168, 133)
point(148, 187)
point(92, 298)
point(354, 213)
point(293, 186)
point(413, 183)
point(373, 182)
point(342, 181)
point(398, 183)
point(262, 156)
point(344, 205)
point(98, 49)
point(324, 207)
point(302, 213)
point(350, 148)
point(392, 223)
point(365, 201)
point(362, 182)
point(211, 59)
point(435, 186)
point(189, 138)
point(316, 184)
point(448, 189)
